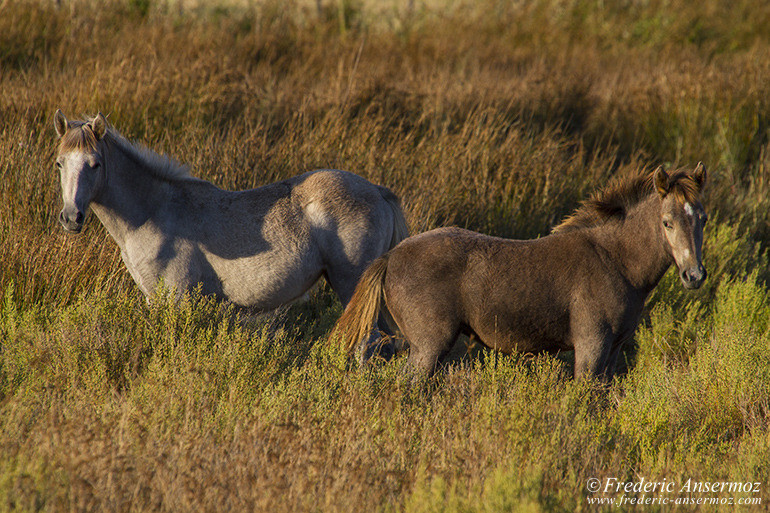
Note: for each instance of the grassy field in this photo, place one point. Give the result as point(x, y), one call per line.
point(495, 116)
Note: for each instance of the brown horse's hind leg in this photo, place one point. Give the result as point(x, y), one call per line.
point(428, 348)
point(430, 327)
point(422, 362)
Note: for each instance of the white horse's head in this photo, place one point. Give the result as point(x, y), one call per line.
point(81, 167)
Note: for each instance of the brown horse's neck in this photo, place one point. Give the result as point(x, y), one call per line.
point(637, 245)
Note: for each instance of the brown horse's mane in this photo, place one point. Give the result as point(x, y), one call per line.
point(614, 200)
point(80, 137)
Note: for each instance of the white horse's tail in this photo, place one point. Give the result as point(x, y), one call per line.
point(400, 230)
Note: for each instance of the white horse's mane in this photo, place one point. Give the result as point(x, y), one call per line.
point(161, 166)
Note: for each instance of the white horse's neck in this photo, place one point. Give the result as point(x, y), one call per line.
point(133, 192)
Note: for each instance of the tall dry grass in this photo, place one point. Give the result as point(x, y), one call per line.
point(498, 117)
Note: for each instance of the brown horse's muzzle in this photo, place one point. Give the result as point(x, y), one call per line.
point(693, 277)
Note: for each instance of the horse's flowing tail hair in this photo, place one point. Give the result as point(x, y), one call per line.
point(361, 313)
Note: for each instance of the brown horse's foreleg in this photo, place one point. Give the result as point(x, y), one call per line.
point(612, 361)
point(591, 357)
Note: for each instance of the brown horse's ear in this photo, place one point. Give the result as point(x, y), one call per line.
point(660, 177)
point(99, 126)
point(699, 175)
point(60, 123)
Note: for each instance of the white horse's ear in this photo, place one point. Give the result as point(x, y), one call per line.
point(60, 123)
point(699, 175)
point(660, 178)
point(99, 126)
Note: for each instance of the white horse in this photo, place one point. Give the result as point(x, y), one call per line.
point(259, 248)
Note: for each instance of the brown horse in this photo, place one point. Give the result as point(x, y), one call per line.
point(583, 287)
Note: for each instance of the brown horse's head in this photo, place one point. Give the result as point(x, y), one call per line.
point(682, 219)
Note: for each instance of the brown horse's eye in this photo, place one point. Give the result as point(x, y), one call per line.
point(667, 225)
point(58, 165)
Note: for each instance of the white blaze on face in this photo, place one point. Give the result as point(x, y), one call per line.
point(689, 210)
point(72, 164)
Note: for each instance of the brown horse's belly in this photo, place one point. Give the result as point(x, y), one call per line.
point(510, 335)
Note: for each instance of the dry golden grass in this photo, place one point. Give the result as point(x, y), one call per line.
point(499, 117)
